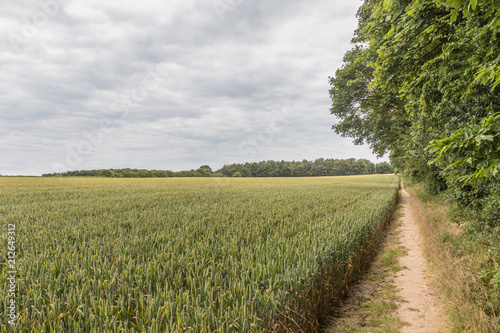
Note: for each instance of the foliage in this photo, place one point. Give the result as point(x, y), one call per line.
point(186, 255)
point(419, 72)
point(320, 167)
point(477, 148)
point(470, 158)
point(203, 171)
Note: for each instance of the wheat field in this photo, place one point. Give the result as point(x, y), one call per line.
point(185, 254)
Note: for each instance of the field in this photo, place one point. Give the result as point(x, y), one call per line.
point(184, 255)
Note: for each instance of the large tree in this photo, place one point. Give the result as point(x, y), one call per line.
point(419, 72)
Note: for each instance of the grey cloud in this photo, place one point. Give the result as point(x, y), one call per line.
point(220, 83)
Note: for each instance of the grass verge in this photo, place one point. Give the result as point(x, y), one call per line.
point(462, 259)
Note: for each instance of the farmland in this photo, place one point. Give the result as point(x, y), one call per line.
point(185, 255)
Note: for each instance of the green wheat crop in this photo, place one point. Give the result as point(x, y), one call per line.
point(185, 255)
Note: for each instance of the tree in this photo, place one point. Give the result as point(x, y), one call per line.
point(298, 170)
point(471, 161)
point(107, 173)
point(217, 174)
point(422, 71)
point(205, 171)
point(245, 172)
point(384, 168)
point(319, 170)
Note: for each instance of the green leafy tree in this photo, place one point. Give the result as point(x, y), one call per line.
point(470, 157)
point(107, 173)
point(298, 170)
point(245, 172)
point(419, 71)
point(205, 171)
point(384, 168)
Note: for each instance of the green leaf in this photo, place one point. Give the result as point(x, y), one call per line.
point(458, 162)
point(473, 4)
point(453, 15)
point(452, 3)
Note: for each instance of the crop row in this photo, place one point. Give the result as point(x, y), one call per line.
point(186, 255)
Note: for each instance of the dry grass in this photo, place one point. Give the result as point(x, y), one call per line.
point(456, 259)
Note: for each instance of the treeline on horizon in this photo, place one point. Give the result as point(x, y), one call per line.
point(319, 167)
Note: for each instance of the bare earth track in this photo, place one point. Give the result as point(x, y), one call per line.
point(407, 288)
point(419, 309)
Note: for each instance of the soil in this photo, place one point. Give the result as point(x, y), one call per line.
point(406, 289)
point(420, 309)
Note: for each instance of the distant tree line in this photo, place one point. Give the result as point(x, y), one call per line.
point(203, 171)
point(319, 167)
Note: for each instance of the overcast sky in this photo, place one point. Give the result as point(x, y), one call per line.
point(169, 85)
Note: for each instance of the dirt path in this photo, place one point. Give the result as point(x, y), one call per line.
point(395, 294)
point(419, 308)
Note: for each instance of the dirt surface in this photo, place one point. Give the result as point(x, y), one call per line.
point(371, 301)
point(393, 297)
point(419, 308)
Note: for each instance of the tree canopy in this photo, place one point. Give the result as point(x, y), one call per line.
point(319, 167)
point(421, 83)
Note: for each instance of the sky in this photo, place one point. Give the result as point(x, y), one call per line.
point(169, 85)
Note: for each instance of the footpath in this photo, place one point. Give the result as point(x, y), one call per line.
point(395, 295)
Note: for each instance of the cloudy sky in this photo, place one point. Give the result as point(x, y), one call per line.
point(169, 84)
